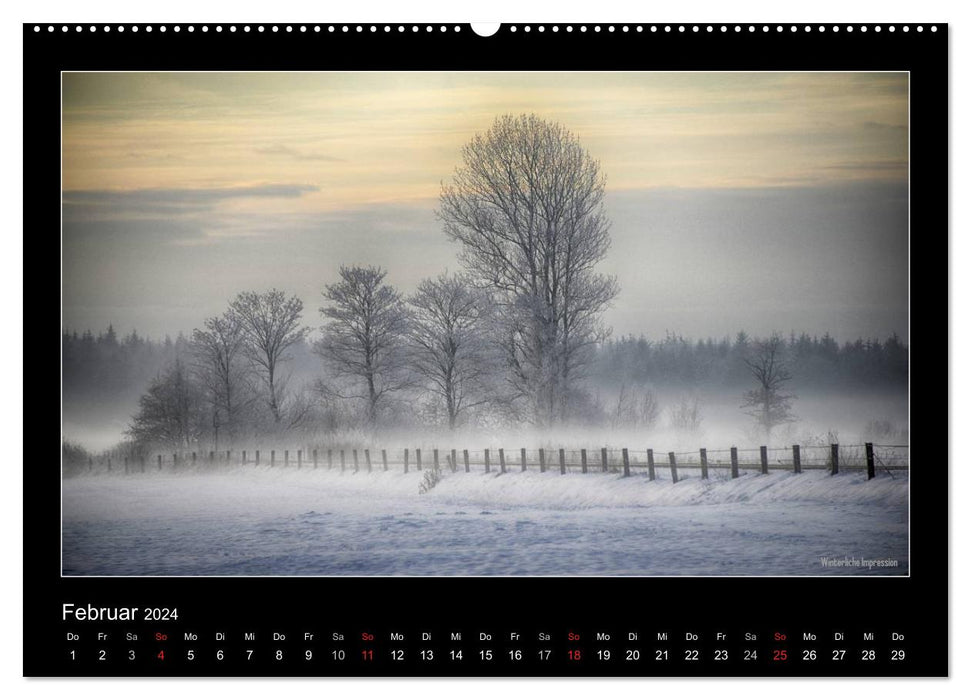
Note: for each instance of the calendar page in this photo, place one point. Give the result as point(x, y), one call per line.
point(523, 350)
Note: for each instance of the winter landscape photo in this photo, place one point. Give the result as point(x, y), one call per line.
point(485, 324)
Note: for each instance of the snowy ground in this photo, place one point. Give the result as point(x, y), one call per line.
point(262, 521)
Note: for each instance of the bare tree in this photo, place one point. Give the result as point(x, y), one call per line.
point(170, 413)
point(633, 411)
point(686, 416)
point(270, 325)
point(451, 347)
point(527, 207)
point(364, 340)
point(768, 403)
point(650, 409)
point(218, 359)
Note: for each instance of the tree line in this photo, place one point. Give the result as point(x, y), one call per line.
point(815, 362)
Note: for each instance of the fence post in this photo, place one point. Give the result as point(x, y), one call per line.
point(257, 457)
point(212, 456)
point(704, 463)
point(406, 460)
point(764, 458)
point(418, 458)
point(542, 460)
point(435, 458)
point(315, 458)
point(465, 456)
point(502, 461)
point(674, 468)
point(228, 455)
point(522, 457)
point(834, 451)
point(286, 458)
point(354, 455)
point(626, 462)
point(243, 457)
point(650, 464)
point(343, 463)
point(330, 459)
point(175, 460)
point(126, 465)
point(796, 460)
point(272, 458)
point(299, 458)
point(193, 459)
point(583, 460)
point(603, 459)
point(562, 461)
point(486, 455)
point(870, 466)
point(367, 459)
point(384, 459)
point(159, 463)
point(455, 464)
point(734, 462)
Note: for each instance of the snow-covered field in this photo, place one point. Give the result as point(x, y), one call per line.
point(262, 521)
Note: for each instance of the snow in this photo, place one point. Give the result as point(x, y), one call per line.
point(284, 521)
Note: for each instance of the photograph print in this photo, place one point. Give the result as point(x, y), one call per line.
point(613, 324)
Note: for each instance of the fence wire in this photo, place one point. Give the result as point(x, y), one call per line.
point(551, 459)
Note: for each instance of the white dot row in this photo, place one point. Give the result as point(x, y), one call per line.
point(512, 28)
point(247, 28)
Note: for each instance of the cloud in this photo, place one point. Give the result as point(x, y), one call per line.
point(188, 195)
point(105, 204)
point(281, 150)
point(880, 126)
point(879, 165)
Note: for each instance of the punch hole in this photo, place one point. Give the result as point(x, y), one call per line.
point(485, 29)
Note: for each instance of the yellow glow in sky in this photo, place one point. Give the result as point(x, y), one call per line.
point(367, 138)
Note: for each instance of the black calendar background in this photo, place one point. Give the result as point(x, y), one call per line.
point(915, 605)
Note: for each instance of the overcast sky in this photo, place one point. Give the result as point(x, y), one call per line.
point(763, 201)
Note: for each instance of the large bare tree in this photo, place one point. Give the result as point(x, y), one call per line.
point(769, 403)
point(270, 325)
point(217, 350)
point(449, 337)
point(527, 207)
point(364, 338)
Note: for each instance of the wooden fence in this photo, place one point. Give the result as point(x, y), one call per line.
point(733, 461)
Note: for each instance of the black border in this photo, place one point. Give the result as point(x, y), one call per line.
point(915, 605)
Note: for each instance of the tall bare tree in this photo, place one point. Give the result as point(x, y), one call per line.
point(450, 341)
point(364, 338)
point(527, 207)
point(217, 350)
point(270, 325)
point(769, 403)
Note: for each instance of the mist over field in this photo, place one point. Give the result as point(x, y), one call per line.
point(850, 410)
